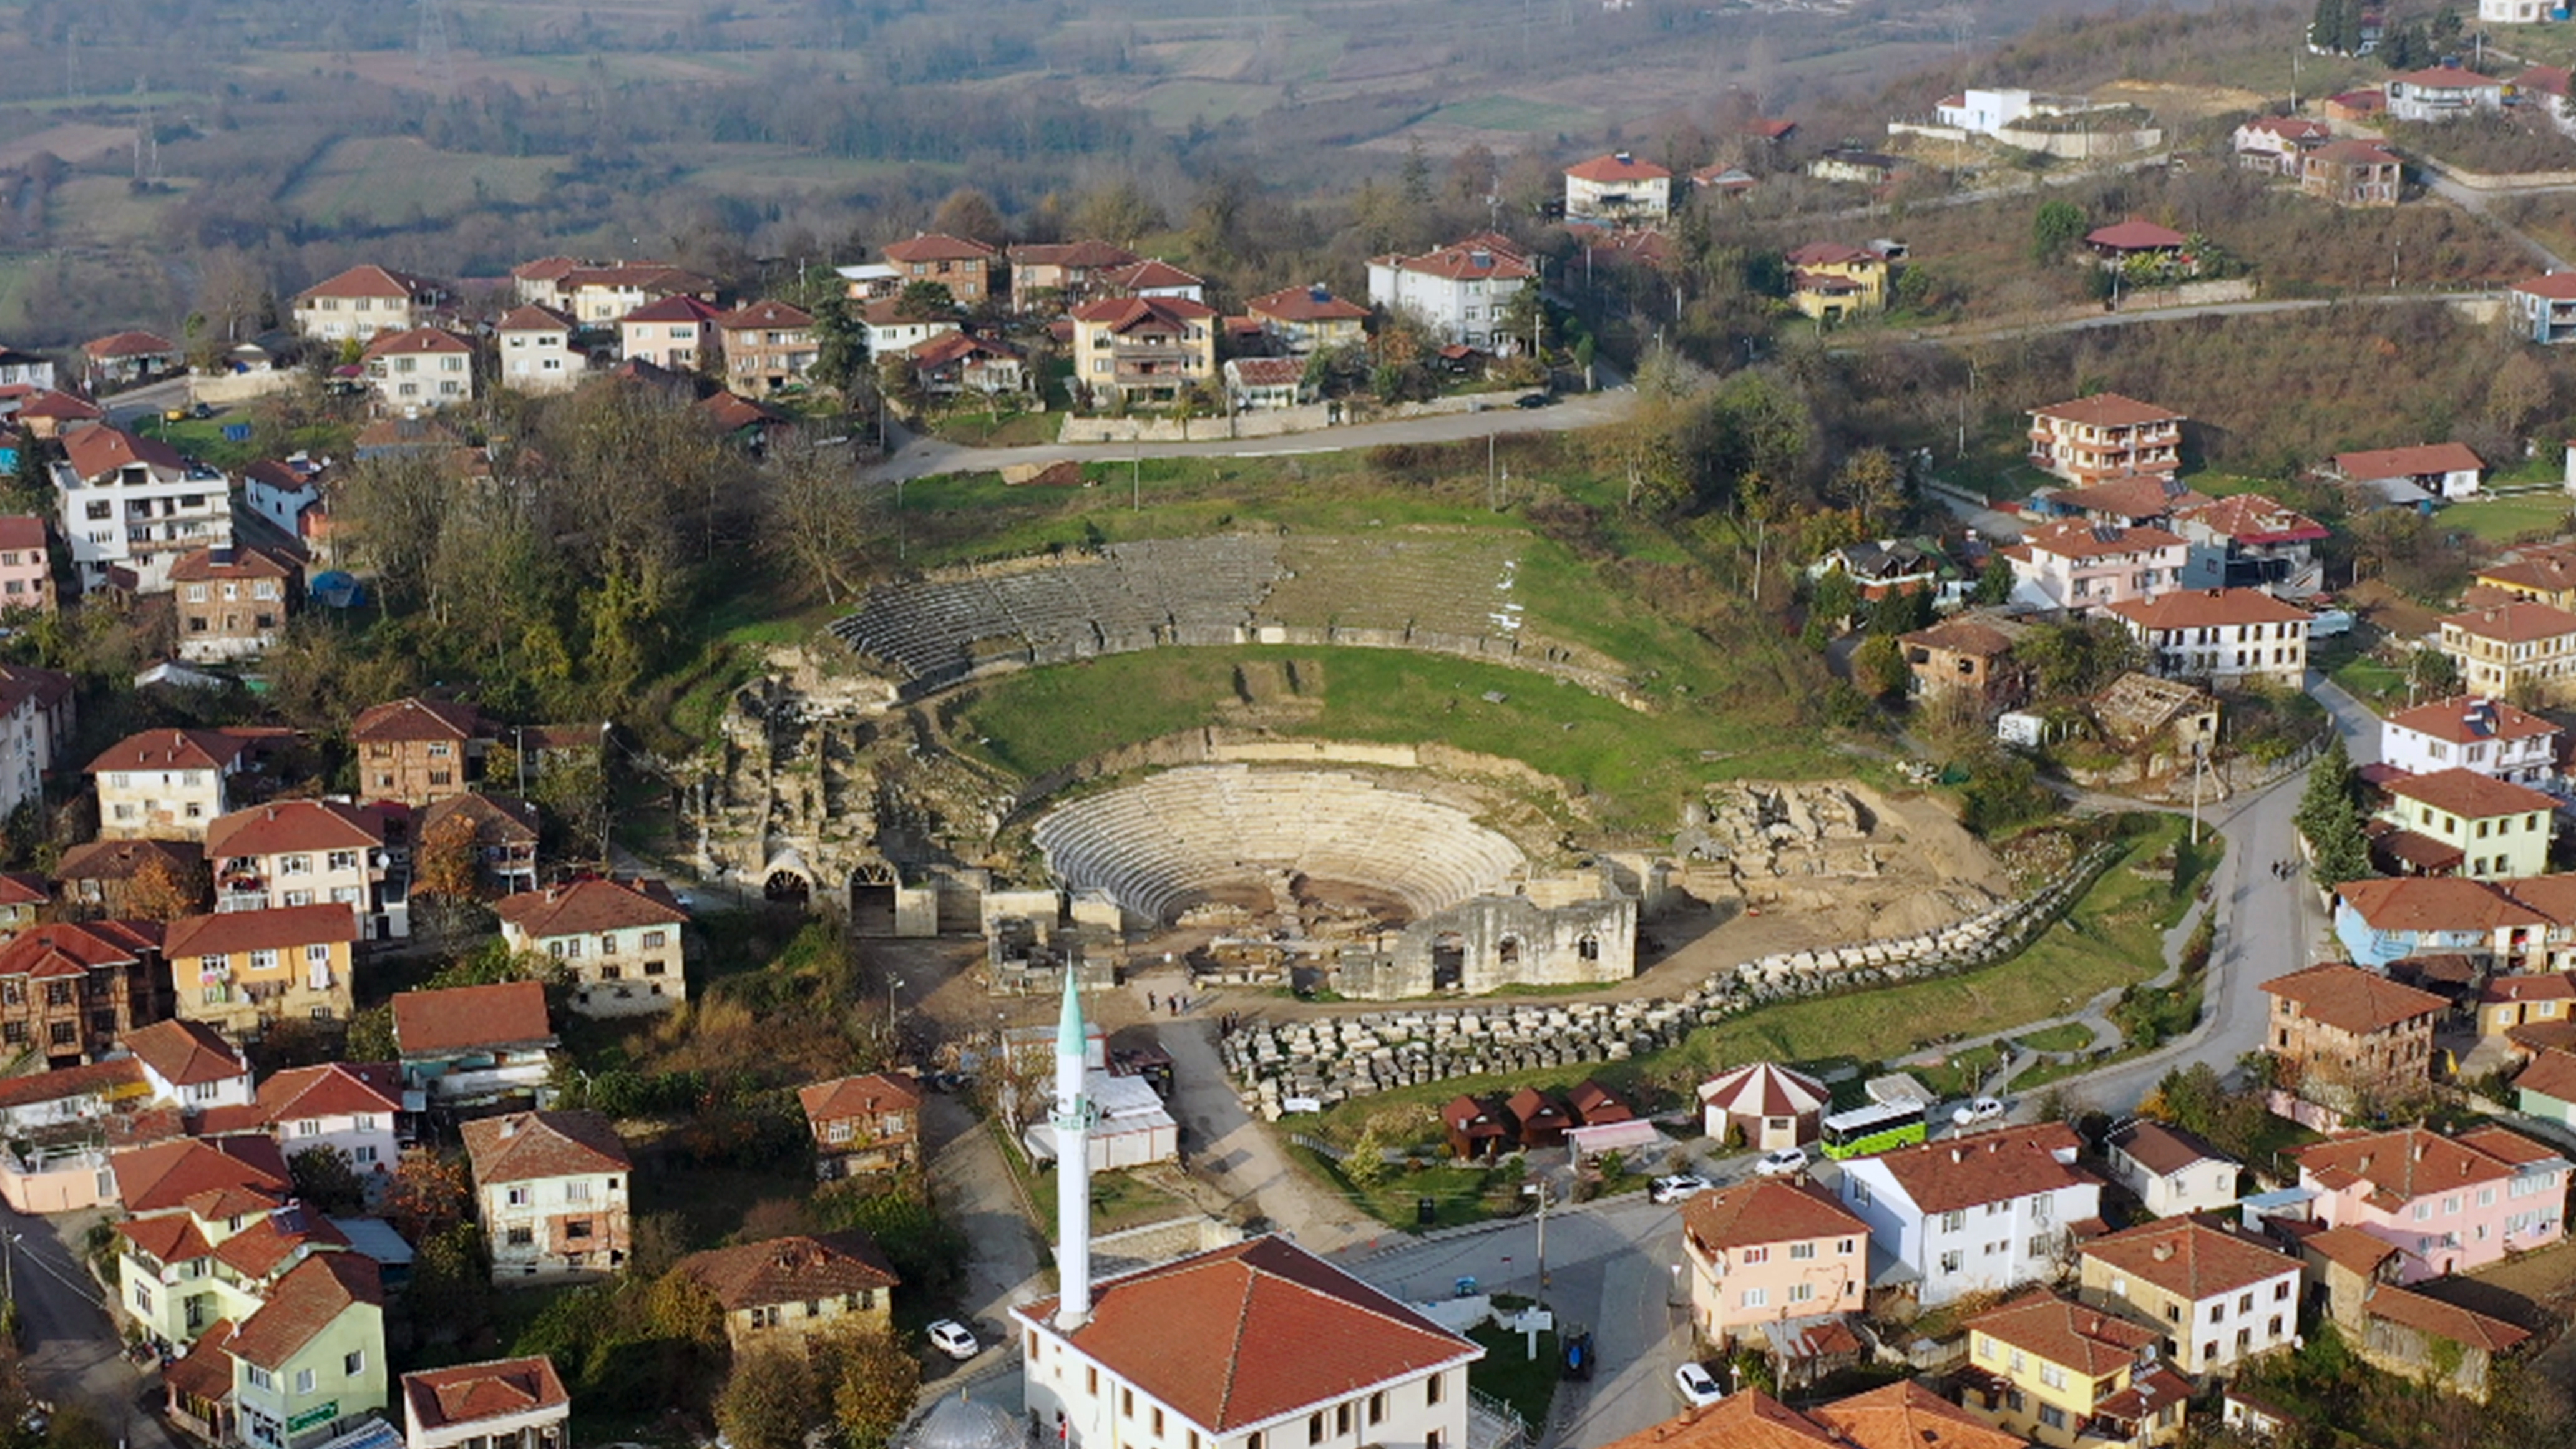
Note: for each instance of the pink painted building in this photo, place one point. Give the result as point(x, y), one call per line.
point(26, 564)
point(2082, 566)
point(1767, 1251)
point(2448, 1204)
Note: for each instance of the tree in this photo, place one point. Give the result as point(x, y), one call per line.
point(811, 504)
point(326, 1181)
point(2325, 28)
point(772, 1397)
point(446, 861)
point(371, 1035)
point(391, 507)
point(2348, 36)
point(2446, 28)
point(2331, 789)
point(2056, 226)
point(1880, 666)
point(2431, 673)
point(1870, 481)
point(1118, 212)
point(925, 302)
point(451, 1294)
point(873, 1382)
point(1995, 585)
point(162, 891)
point(840, 348)
point(921, 1245)
point(971, 214)
point(429, 1193)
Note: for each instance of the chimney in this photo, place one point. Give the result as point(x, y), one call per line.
point(2163, 1252)
point(2418, 1152)
point(1957, 1155)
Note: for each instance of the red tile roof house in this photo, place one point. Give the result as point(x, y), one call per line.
point(2275, 143)
point(36, 718)
point(110, 481)
point(57, 1128)
point(104, 877)
point(426, 367)
point(472, 1046)
point(1265, 384)
point(191, 1066)
point(70, 993)
point(505, 836)
point(1617, 187)
point(2246, 540)
point(551, 1192)
point(364, 302)
point(311, 1354)
point(354, 1108)
point(2096, 438)
point(2543, 308)
point(1979, 1212)
point(963, 266)
point(2081, 567)
point(123, 358)
point(2131, 500)
point(170, 784)
point(512, 1403)
point(2447, 1204)
point(2226, 638)
point(1198, 1341)
point(2440, 93)
point(2353, 173)
point(768, 347)
point(2341, 1037)
point(863, 1124)
point(1767, 1254)
point(622, 941)
point(676, 333)
point(234, 602)
point(26, 563)
point(786, 1290)
point(1302, 319)
point(2445, 471)
point(419, 751)
point(2122, 240)
point(960, 362)
point(1066, 271)
point(309, 852)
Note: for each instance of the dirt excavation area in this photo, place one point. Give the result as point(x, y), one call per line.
point(1792, 867)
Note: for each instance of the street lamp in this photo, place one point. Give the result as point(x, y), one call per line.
point(893, 985)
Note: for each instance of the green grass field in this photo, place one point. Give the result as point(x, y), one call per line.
point(1513, 114)
point(389, 178)
point(2501, 520)
point(1511, 1373)
point(2064, 1038)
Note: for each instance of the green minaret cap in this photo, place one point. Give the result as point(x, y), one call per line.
point(1068, 1027)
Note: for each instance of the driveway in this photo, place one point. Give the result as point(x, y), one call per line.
point(72, 1349)
point(1009, 1265)
point(1226, 1145)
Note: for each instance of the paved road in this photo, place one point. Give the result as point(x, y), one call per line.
point(922, 457)
point(126, 407)
point(2097, 321)
point(1244, 1157)
point(71, 1345)
point(2475, 204)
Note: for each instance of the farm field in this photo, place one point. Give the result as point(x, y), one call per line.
point(387, 178)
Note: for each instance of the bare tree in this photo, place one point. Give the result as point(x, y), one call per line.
point(812, 517)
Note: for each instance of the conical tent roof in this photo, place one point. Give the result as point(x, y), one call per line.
point(1765, 1089)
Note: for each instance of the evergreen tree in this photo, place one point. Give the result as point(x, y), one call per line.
point(2446, 28)
point(2325, 30)
point(2348, 38)
point(2330, 791)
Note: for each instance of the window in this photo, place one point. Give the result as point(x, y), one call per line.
point(1376, 1408)
point(304, 1381)
point(1126, 1403)
point(2053, 1416)
point(1801, 1292)
point(577, 1228)
point(1158, 1422)
point(1757, 1297)
point(1432, 1388)
point(1844, 1248)
point(1755, 1255)
point(654, 940)
point(2052, 1376)
point(1952, 1222)
point(516, 1196)
point(354, 1364)
point(1341, 1418)
point(258, 1376)
point(1950, 1261)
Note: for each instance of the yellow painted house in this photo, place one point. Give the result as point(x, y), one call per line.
point(2060, 1372)
point(1830, 281)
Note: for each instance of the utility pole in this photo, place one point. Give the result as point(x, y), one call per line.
point(2199, 762)
point(1542, 1234)
point(1491, 505)
point(1136, 477)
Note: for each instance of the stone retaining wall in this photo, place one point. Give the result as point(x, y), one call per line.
point(1333, 1060)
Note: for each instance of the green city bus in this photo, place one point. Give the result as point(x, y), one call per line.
point(1875, 1128)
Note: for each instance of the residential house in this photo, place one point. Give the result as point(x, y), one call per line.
point(2278, 143)
point(310, 852)
point(72, 992)
point(1064, 273)
point(2130, 500)
point(1460, 294)
point(1617, 187)
point(1149, 1361)
point(1886, 566)
point(2506, 1002)
point(2512, 12)
point(233, 602)
point(1901, 1415)
point(1477, 1128)
point(36, 718)
point(2447, 471)
point(951, 364)
point(2085, 566)
point(1969, 657)
point(536, 351)
point(2067, 1374)
point(22, 894)
point(2353, 173)
point(551, 1193)
point(426, 367)
point(350, 1108)
point(2227, 638)
point(171, 784)
point(1828, 280)
point(540, 283)
point(2441, 93)
point(1764, 1105)
point(132, 506)
point(1974, 1213)
point(1264, 384)
point(2468, 732)
point(621, 940)
point(291, 495)
point(787, 1290)
point(1538, 1119)
point(676, 334)
point(2435, 1341)
point(365, 302)
point(2219, 1297)
point(2469, 824)
point(419, 751)
point(26, 564)
point(46, 414)
point(2543, 573)
point(896, 326)
point(472, 1046)
point(121, 359)
point(2545, 88)
point(2546, 1089)
point(116, 879)
point(1301, 320)
point(242, 972)
point(185, 1270)
point(2121, 241)
point(768, 347)
point(1732, 182)
point(1769, 1257)
point(1153, 277)
point(598, 297)
point(511, 1403)
point(2247, 541)
point(962, 265)
point(1142, 350)
point(2517, 650)
point(2172, 1171)
point(863, 1124)
point(58, 1129)
point(2543, 308)
point(2103, 436)
point(191, 1066)
point(2380, 921)
point(2448, 1204)
point(2340, 1035)
point(504, 836)
point(309, 1365)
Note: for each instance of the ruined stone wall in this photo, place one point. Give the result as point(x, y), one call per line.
point(1503, 941)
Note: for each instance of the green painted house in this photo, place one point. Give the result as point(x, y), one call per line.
point(2547, 1088)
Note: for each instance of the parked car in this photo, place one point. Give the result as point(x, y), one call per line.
point(1982, 1110)
point(1578, 1355)
point(1533, 400)
point(954, 1339)
point(1787, 1162)
point(1676, 1187)
point(1697, 1389)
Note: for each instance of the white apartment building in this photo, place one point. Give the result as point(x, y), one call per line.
point(536, 351)
point(168, 784)
point(190, 1065)
point(36, 717)
point(551, 1192)
point(364, 301)
point(306, 852)
point(426, 367)
point(2224, 637)
point(1974, 1213)
point(1461, 294)
point(1617, 187)
point(2471, 732)
point(2079, 566)
point(2217, 1297)
point(131, 507)
point(2173, 1172)
point(621, 940)
point(349, 1107)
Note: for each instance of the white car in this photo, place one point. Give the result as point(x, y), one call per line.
point(1676, 1187)
point(1697, 1389)
point(1787, 1162)
point(954, 1339)
point(1984, 1109)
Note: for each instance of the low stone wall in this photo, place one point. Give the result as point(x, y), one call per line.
point(216, 390)
point(2188, 294)
point(1268, 422)
point(1331, 1061)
